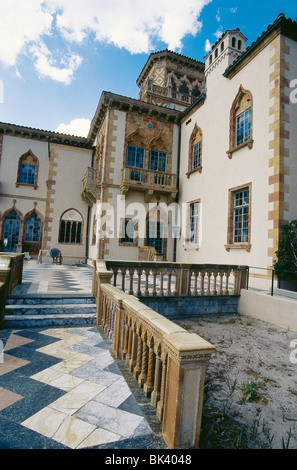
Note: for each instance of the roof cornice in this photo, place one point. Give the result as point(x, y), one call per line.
point(123, 103)
point(43, 135)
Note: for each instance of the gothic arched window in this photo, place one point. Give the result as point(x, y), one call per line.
point(28, 170)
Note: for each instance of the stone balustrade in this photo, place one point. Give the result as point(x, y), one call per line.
point(168, 362)
point(142, 278)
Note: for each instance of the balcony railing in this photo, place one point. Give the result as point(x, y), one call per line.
point(91, 186)
point(150, 181)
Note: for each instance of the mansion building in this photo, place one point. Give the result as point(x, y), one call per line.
point(202, 168)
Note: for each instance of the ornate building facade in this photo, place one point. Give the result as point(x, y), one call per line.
point(201, 168)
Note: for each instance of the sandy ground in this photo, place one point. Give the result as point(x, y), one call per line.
point(251, 356)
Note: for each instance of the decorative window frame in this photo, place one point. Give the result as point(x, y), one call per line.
point(242, 102)
point(30, 159)
point(230, 243)
point(28, 216)
point(195, 138)
point(127, 244)
point(62, 219)
point(187, 243)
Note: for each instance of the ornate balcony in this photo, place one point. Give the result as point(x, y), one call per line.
point(91, 186)
point(150, 181)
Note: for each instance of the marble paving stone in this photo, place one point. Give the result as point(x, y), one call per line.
point(72, 401)
point(73, 432)
point(109, 418)
point(46, 422)
point(98, 376)
point(99, 437)
point(11, 363)
point(8, 398)
point(65, 382)
point(115, 394)
point(73, 363)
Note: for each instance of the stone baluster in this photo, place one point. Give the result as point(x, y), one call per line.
point(226, 290)
point(115, 273)
point(137, 368)
point(139, 274)
point(155, 396)
point(133, 358)
point(123, 271)
point(131, 273)
point(160, 404)
point(148, 387)
point(154, 272)
point(143, 375)
point(221, 274)
point(126, 334)
point(146, 290)
point(196, 274)
point(129, 349)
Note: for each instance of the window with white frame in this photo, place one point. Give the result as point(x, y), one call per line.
point(193, 238)
point(241, 216)
point(196, 159)
point(158, 160)
point(243, 127)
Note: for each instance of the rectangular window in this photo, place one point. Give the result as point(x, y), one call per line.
point(196, 160)
point(27, 173)
point(128, 232)
point(135, 156)
point(243, 127)
point(241, 216)
point(158, 160)
point(155, 236)
point(193, 238)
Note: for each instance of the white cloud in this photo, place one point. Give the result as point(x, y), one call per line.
point(47, 66)
point(131, 24)
point(207, 46)
point(79, 127)
point(218, 33)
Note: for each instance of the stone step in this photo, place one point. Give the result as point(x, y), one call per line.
point(25, 321)
point(49, 310)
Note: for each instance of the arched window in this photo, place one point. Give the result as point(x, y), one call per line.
point(241, 121)
point(11, 231)
point(70, 227)
point(28, 170)
point(33, 228)
point(239, 44)
point(233, 42)
point(195, 151)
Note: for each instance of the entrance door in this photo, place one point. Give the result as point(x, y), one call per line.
point(11, 231)
point(155, 236)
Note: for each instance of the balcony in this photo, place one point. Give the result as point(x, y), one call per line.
point(150, 181)
point(91, 185)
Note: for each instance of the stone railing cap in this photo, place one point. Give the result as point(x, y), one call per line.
point(189, 342)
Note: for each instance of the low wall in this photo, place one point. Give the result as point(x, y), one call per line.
point(181, 307)
point(279, 311)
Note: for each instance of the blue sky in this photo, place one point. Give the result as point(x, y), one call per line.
point(57, 56)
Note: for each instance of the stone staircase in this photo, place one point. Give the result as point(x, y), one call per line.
point(38, 310)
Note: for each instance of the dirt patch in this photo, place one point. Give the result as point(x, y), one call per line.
point(250, 398)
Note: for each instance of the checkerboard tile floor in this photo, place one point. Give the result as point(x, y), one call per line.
point(60, 388)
